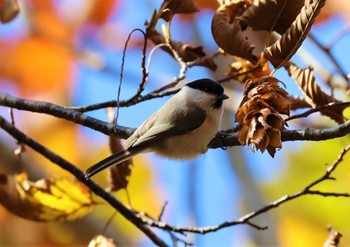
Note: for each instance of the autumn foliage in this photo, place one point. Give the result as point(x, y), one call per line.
point(50, 59)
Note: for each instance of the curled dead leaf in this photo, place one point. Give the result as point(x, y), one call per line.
point(268, 15)
point(227, 31)
point(179, 7)
point(9, 9)
point(314, 95)
point(280, 52)
point(46, 199)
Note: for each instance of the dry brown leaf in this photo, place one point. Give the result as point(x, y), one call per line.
point(9, 9)
point(118, 176)
point(287, 45)
point(270, 15)
point(275, 138)
point(187, 52)
point(179, 7)
point(100, 11)
point(45, 199)
point(101, 241)
point(298, 102)
point(227, 31)
point(314, 95)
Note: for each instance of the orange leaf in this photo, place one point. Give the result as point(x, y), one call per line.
point(38, 65)
point(101, 11)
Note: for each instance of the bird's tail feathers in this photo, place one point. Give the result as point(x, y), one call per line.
point(114, 159)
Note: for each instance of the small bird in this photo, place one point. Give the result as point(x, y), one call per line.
point(181, 129)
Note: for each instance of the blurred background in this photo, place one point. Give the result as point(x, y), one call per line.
point(69, 53)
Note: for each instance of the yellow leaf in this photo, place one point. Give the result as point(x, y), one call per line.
point(45, 200)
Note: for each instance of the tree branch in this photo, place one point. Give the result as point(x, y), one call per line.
point(124, 103)
point(225, 139)
point(326, 51)
point(329, 106)
point(64, 113)
point(246, 218)
point(95, 188)
point(222, 139)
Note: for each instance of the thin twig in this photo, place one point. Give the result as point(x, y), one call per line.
point(124, 103)
point(144, 73)
point(21, 147)
point(246, 219)
point(162, 211)
point(326, 51)
point(317, 109)
point(137, 98)
point(345, 30)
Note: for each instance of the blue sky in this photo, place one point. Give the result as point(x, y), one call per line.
point(217, 194)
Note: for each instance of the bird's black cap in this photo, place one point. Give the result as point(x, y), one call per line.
point(208, 86)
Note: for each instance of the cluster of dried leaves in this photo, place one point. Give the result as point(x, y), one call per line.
point(259, 111)
point(259, 114)
point(291, 19)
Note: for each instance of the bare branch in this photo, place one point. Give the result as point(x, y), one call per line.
point(317, 109)
point(143, 66)
point(226, 139)
point(246, 219)
point(326, 51)
point(124, 103)
point(310, 134)
point(157, 93)
point(64, 113)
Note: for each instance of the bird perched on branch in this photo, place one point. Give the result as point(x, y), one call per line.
point(181, 129)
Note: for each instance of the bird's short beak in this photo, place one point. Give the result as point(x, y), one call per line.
point(223, 96)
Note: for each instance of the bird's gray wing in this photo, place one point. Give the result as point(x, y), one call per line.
point(155, 129)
